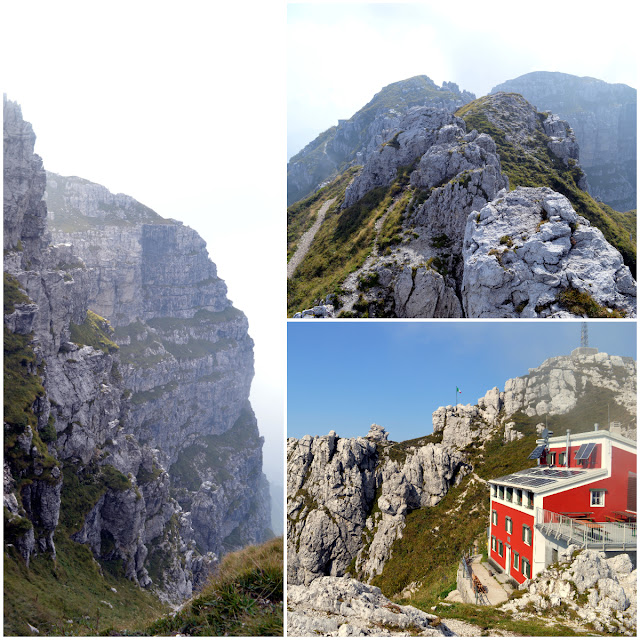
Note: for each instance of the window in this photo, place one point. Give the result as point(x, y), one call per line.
point(518, 496)
point(500, 548)
point(494, 490)
point(501, 493)
point(494, 517)
point(526, 568)
point(509, 496)
point(528, 499)
point(552, 458)
point(493, 543)
point(516, 561)
point(562, 459)
point(597, 497)
point(526, 535)
point(508, 524)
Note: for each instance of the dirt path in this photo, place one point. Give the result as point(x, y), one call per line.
point(307, 239)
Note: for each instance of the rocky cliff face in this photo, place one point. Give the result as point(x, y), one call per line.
point(440, 235)
point(355, 140)
point(603, 118)
point(147, 452)
point(348, 498)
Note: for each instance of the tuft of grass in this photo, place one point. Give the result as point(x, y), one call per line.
point(95, 332)
point(582, 303)
point(243, 598)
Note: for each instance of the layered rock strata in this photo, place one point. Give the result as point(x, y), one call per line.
point(92, 444)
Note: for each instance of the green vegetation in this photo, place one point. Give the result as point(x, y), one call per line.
point(95, 332)
point(244, 598)
point(536, 166)
point(69, 595)
point(491, 618)
point(581, 303)
point(302, 214)
point(340, 246)
point(82, 488)
point(215, 452)
point(202, 317)
point(13, 293)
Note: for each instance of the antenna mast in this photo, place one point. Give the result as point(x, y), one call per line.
point(584, 335)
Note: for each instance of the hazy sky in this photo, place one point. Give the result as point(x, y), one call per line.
point(181, 106)
point(347, 375)
point(341, 54)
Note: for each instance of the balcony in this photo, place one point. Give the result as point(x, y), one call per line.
point(606, 536)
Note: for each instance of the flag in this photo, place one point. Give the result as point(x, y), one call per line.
point(458, 390)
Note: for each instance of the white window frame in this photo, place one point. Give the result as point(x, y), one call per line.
point(501, 492)
point(506, 494)
point(500, 548)
point(508, 525)
point(552, 458)
point(516, 561)
point(526, 534)
point(562, 459)
point(526, 568)
point(494, 544)
point(494, 517)
point(598, 494)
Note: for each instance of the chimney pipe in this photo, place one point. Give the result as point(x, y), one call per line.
point(595, 426)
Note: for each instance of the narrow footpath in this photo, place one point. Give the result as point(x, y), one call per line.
point(307, 239)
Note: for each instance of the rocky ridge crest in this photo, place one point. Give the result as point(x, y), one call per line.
point(347, 498)
point(450, 189)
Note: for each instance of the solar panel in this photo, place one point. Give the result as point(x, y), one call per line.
point(535, 482)
point(537, 452)
point(585, 451)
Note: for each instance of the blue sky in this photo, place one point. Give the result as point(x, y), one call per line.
point(347, 375)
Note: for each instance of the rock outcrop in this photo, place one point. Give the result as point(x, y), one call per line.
point(523, 250)
point(598, 591)
point(345, 607)
point(153, 477)
point(603, 118)
point(354, 140)
point(347, 499)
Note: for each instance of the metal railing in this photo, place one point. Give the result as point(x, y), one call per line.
point(479, 589)
point(608, 536)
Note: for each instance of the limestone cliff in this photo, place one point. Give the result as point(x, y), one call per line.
point(138, 442)
point(426, 227)
point(348, 499)
point(603, 118)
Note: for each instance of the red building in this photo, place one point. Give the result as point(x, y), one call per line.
point(583, 491)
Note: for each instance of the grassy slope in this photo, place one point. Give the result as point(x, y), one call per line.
point(243, 599)
point(539, 167)
point(345, 239)
point(302, 214)
point(72, 587)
